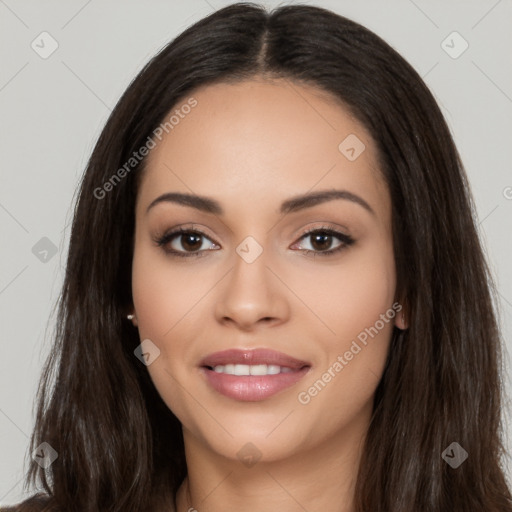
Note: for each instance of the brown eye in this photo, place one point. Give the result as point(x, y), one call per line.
point(191, 241)
point(184, 242)
point(321, 240)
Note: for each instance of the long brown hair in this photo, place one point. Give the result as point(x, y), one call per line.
point(119, 446)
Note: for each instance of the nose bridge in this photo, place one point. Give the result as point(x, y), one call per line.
point(250, 263)
point(250, 273)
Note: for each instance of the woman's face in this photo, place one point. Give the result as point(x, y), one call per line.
point(246, 278)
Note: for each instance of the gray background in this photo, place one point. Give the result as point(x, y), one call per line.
point(53, 109)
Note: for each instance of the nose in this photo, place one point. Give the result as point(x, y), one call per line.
point(252, 295)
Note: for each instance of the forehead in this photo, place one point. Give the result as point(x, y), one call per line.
point(262, 139)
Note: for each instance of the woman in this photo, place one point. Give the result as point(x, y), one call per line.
point(275, 293)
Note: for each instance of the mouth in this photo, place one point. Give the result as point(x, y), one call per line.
point(252, 375)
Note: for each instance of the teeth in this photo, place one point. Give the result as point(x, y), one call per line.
point(242, 369)
point(258, 369)
point(254, 369)
point(272, 369)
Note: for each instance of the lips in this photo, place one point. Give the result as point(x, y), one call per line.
point(252, 357)
point(217, 371)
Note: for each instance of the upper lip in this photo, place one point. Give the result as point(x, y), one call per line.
point(252, 357)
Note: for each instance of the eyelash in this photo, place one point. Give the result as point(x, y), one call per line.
point(346, 240)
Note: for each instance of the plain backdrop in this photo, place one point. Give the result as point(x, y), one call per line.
point(52, 108)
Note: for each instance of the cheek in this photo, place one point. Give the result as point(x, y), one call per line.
point(164, 293)
point(171, 301)
point(164, 296)
point(356, 302)
point(362, 315)
point(350, 295)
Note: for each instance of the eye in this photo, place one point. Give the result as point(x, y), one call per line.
point(321, 240)
point(183, 242)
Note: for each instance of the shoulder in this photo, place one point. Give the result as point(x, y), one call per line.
point(37, 503)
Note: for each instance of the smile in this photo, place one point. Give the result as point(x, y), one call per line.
point(252, 375)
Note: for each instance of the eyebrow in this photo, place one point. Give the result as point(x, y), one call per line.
point(294, 204)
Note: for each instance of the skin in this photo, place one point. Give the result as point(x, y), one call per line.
point(251, 146)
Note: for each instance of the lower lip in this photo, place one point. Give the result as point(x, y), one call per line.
point(252, 388)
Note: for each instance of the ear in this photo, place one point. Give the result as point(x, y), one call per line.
point(401, 317)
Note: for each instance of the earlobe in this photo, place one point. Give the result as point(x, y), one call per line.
point(400, 320)
point(133, 318)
